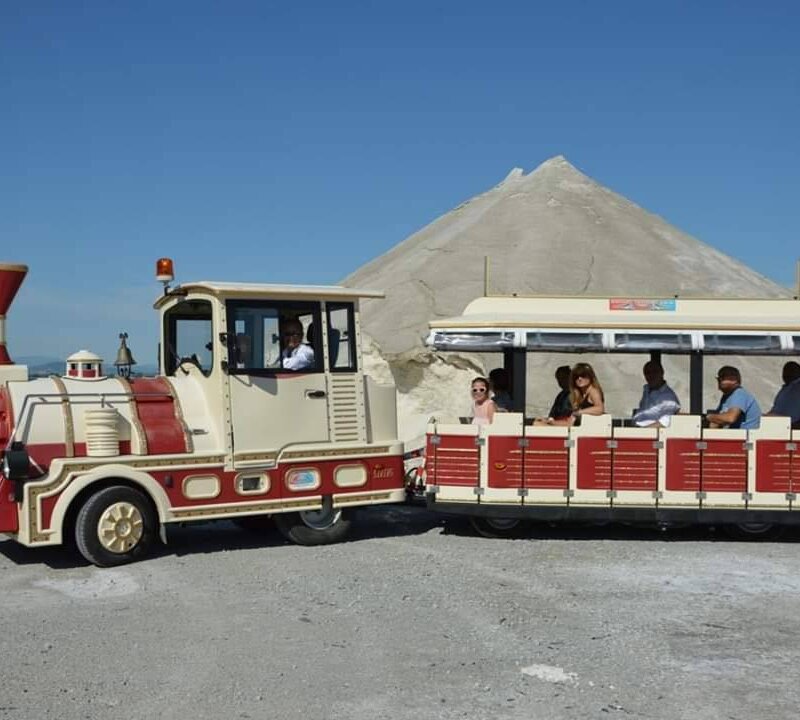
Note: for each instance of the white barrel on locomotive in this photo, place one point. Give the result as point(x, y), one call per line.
point(224, 431)
point(605, 469)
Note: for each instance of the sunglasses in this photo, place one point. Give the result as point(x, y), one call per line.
point(292, 334)
point(479, 390)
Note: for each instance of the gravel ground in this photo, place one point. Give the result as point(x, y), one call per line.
point(416, 617)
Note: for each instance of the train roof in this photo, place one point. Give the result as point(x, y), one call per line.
point(261, 291)
point(764, 314)
point(623, 324)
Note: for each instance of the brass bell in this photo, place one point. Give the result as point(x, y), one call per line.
point(124, 357)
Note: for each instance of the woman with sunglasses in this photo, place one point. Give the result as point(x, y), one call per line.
point(483, 409)
point(586, 394)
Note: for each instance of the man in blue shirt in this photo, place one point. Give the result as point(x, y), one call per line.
point(737, 407)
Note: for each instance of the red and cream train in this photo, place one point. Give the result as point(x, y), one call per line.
point(225, 432)
point(222, 432)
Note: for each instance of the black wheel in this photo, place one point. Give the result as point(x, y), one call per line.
point(315, 527)
point(116, 525)
point(754, 531)
point(496, 527)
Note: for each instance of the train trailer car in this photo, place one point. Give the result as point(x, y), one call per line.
point(607, 468)
point(229, 428)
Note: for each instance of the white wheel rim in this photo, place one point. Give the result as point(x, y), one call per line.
point(120, 527)
point(323, 518)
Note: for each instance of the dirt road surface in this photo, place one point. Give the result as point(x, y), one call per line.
point(416, 617)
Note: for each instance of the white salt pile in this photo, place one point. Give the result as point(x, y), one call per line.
point(553, 231)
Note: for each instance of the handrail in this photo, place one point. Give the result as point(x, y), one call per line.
point(68, 397)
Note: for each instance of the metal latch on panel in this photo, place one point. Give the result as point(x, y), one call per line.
point(523, 442)
point(522, 492)
point(658, 444)
point(479, 441)
point(436, 440)
point(611, 444)
point(478, 491)
point(569, 442)
point(791, 447)
point(701, 445)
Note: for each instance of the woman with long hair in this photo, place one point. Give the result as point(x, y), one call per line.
point(586, 394)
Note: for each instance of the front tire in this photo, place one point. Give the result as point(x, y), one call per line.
point(116, 525)
point(315, 527)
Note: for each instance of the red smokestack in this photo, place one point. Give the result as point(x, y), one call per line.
point(11, 277)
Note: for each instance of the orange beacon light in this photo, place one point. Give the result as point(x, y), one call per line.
point(164, 270)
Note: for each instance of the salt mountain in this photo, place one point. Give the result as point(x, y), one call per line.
point(553, 231)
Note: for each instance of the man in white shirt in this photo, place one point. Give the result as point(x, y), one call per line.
point(787, 401)
point(659, 401)
point(295, 355)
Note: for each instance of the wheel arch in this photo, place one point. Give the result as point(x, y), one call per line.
point(82, 487)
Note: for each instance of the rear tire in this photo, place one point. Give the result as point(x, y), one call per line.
point(116, 525)
point(315, 527)
point(754, 531)
point(490, 527)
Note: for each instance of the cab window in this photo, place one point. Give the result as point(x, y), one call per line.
point(341, 337)
point(187, 336)
point(268, 337)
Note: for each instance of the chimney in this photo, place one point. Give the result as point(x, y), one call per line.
point(11, 277)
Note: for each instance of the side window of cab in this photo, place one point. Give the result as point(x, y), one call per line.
point(341, 337)
point(271, 337)
point(188, 336)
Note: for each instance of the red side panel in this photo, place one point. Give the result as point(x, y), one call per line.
point(594, 464)
point(8, 508)
point(6, 416)
point(547, 464)
point(505, 462)
point(635, 465)
point(724, 466)
point(455, 460)
point(778, 467)
point(683, 465)
point(385, 473)
point(157, 413)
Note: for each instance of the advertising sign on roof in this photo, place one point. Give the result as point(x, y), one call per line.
point(669, 305)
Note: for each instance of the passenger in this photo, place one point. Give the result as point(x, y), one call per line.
point(586, 394)
point(295, 355)
point(483, 407)
point(561, 409)
point(737, 407)
point(498, 381)
point(787, 401)
point(659, 402)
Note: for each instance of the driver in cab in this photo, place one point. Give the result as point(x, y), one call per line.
point(296, 355)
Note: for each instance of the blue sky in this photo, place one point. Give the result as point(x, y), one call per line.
point(292, 142)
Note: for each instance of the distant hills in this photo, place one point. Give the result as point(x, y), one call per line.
point(42, 366)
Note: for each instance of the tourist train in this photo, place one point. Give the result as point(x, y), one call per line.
point(224, 431)
point(605, 468)
point(227, 431)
